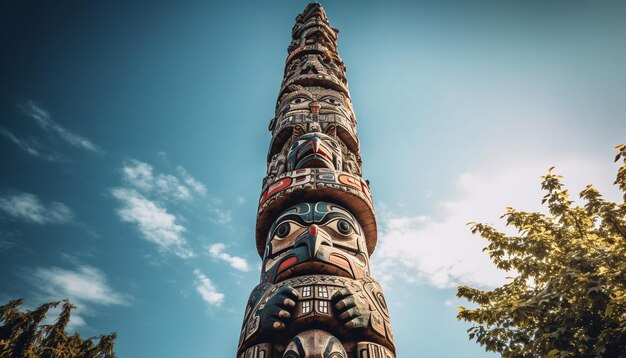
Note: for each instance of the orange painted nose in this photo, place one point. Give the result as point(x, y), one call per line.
point(315, 107)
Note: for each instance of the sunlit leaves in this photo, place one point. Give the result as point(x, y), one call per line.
point(568, 295)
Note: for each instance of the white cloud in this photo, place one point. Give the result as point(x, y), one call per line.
point(207, 290)
point(191, 181)
point(148, 198)
point(166, 184)
point(31, 146)
point(219, 216)
point(27, 207)
point(45, 121)
point(141, 176)
point(241, 200)
point(87, 284)
point(84, 287)
point(440, 250)
point(154, 222)
point(217, 251)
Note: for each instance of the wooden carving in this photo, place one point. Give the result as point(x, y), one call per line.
point(316, 225)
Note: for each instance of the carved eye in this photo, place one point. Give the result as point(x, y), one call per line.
point(296, 144)
point(331, 100)
point(332, 143)
point(283, 230)
point(298, 100)
point(344, 227)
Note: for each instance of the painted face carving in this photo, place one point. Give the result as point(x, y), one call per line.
point(315, 101)
point(315, 238)
point(314, 150)
point(315, 344)
point(315, 64)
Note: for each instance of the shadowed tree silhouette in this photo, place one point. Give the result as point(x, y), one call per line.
point(22, 334)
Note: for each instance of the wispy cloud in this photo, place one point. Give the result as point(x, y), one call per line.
point(141, 176)
point(31, 146)
point(85, 287)
point(191, 181)
point(146, 198)
point(207, 289)
point(86, 284)
point(154, 222)
point(153, 201)
point(216, 251)
point(45, 122)
point(439, 249)
point(219, 215)
point(6, 240)
point(29, 208)
point(166, 187)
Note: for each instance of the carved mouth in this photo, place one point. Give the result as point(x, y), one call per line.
point(290, 269)
point(315, 161)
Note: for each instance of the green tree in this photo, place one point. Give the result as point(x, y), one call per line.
point(568, 298)
point(22, 334)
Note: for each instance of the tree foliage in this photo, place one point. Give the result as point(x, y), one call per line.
point(568, 298)
point(23, 334)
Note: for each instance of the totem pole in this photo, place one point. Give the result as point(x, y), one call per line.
point(316, 226)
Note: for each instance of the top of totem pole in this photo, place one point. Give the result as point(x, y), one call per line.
point(314, 101)
point(312, 9)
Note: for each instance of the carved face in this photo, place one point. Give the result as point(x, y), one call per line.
point(315, 343)
point(314, 64)
point(316, 101)
point(314, 150)
point(315, 238)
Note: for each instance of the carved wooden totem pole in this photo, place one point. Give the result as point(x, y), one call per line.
point(316, 226)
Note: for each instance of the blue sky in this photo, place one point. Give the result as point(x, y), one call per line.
point(133, 139)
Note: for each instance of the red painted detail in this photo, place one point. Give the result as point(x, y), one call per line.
point(350, 180)
point(365, 188)
point(313, 230)
point(278, 186)
point(316, 150)
point(301, 179)
point(315, 108)
point(339, 260)
point(326, 155)
point(287, 263)
point(314, 144)
point(303, 150)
